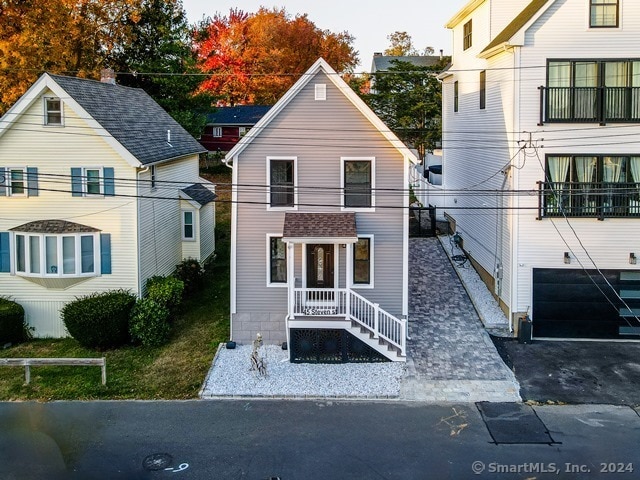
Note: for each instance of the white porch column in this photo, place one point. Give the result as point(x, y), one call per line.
point(291, 281)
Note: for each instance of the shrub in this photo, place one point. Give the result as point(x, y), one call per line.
point(100, 320)
point(149, 323)
point(13, 328)
point(166, 291)
point(190, 271)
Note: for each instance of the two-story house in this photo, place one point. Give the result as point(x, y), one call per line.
point(99, 190)
point(541, 159)
point(319, 226)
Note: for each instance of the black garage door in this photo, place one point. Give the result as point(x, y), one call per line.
point(572, 303)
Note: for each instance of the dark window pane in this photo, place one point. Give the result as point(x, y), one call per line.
point(357, 184)
point(362, 262)
point(278, 260)
point(282, 183)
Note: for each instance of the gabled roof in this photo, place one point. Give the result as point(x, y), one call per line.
point(516, 24)
point(130, 116)
point(384, 62)
point(321, 66)
point(239, 115)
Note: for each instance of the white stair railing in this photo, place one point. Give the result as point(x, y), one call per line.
point(346, 303)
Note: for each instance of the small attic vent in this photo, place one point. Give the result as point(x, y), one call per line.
point(321, 91)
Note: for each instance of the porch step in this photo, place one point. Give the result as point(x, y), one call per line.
point(378, 344)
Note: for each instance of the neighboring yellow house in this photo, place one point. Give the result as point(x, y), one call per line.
point(99, 190)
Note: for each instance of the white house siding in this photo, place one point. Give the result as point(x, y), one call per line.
point(160, 217)
point(54, 151)
point(318, 134)
point(562, 32)
point(477, 144)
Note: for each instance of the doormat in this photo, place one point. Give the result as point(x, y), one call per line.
point(514, 423)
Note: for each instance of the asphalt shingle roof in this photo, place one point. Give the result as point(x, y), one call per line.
point(319, 225)
point(132, 117)
point(53, 226)
point(238, 115)
point(199, 193)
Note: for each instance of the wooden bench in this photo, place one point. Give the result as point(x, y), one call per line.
point(28, 362)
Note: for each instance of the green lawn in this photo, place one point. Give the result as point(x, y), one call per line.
point(174, 371)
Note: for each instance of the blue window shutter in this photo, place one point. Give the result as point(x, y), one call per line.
point(76, 182)
point(4, 252)
point(105, 253)
point(109, 183)
point(32, 181)
point(3, 181)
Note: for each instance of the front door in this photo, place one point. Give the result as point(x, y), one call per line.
point(320, 265)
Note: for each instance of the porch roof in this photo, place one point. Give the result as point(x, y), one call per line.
point(319, 227)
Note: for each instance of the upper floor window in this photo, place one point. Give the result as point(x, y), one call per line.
point(357, 182)
point(92, 181)
point(216, 131)
point(281, 180)
point(455, 96)
point(466, 35)
point(52, 111)
point(483, 89)
point(18, 181)
point(604, 13)
point(592, 91)
point(592, 186)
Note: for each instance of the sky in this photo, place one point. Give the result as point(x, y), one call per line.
point(369, 22)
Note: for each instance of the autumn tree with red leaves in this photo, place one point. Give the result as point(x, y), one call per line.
point(255, 58)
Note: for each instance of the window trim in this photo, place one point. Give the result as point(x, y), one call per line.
point(483, 90)
point(456, 96)
point(352, 265)
point(183, 224)
point(270, 283)
point(596, 3)
point(343, 161)
point(46, 112)
point(85, 181)
point(467, 35)
point(295, 183)
point(216, 132)
point(25, 182)
point(97, 267)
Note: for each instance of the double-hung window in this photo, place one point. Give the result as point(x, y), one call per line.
point(216, 132)
point(19, 181)
point(92, 181)
point(52, 111)
point(358, 183)
point(188, 225)
point(604, 13)
point(281, 178)
point(467, 35)
point(277, 255)
point(363, 262)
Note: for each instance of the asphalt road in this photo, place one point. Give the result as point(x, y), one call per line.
point(308, 440)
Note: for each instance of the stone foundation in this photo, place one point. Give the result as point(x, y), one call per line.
point(272, 326)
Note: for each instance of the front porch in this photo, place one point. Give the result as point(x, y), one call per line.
point(325, 260)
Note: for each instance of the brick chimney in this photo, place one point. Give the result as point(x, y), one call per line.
point(107, 75)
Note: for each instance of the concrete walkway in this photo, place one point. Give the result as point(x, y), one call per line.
point(450, 355)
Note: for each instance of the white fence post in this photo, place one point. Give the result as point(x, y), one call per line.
point(376, 319)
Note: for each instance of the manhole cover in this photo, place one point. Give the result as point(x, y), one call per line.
point(157, 461)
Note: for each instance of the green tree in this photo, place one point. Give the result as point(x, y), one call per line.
point(408, 99)
point(159, 59)
point(401, 45)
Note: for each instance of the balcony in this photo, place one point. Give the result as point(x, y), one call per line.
point(595, 200)
point(589, 105)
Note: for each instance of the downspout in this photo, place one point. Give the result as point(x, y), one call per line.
point(140, 171)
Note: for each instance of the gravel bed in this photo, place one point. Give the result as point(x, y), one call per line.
point(487, 306)
point(231, 375)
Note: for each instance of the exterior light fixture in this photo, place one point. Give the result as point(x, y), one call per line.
point(567, 258)
point(632, 258)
